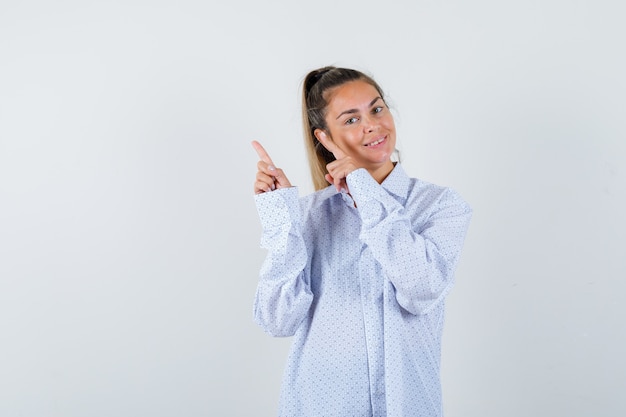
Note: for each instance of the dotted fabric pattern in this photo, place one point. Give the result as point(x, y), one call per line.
point(360, 280)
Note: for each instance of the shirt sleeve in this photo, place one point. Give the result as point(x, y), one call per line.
point(283, 294)
point(419, 260)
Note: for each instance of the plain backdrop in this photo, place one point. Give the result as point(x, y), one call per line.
point(129, 240)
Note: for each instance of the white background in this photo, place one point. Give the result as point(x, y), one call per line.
point(129, 241)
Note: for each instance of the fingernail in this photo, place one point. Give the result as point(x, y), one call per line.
point(273, 187)
point(271, 168)
point(269, 190)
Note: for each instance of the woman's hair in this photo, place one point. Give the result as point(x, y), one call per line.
point(316, 90)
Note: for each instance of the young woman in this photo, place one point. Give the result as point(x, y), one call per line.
point(358, 271)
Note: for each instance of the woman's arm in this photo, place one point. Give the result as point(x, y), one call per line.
point(419, 260)
point(283, 294)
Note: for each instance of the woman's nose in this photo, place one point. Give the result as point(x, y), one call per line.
point(369, 124)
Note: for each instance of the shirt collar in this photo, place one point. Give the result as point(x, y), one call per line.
point(397, 182)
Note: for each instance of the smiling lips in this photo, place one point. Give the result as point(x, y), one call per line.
point(376, 142)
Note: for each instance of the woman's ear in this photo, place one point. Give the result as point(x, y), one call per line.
point(324, 139)
point(328, 143)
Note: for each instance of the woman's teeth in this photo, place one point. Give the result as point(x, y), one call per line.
point(375, 142)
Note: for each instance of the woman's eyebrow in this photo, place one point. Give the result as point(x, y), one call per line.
point(351, 111)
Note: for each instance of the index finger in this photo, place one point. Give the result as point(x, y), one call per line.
point(260, 150)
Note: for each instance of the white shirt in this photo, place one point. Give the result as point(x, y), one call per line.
point(362, 291)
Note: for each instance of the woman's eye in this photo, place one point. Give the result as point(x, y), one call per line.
point(378, 109)
point(351, 120)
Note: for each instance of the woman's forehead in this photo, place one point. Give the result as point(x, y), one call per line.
point(354, 93)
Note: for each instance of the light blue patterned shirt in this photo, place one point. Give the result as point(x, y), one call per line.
point(362, 291)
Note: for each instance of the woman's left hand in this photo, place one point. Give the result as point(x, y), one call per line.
point(339, 169)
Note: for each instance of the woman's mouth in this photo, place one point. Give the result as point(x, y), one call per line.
point(376, 142)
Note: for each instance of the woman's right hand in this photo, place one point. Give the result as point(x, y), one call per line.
point(268, 177)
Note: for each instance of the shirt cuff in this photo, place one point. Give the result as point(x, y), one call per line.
point(362, 185)
point(372, 200)
point(278, 207)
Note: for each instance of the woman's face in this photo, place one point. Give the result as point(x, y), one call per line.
point(361, 125)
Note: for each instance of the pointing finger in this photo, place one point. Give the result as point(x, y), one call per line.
point(260, 150)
